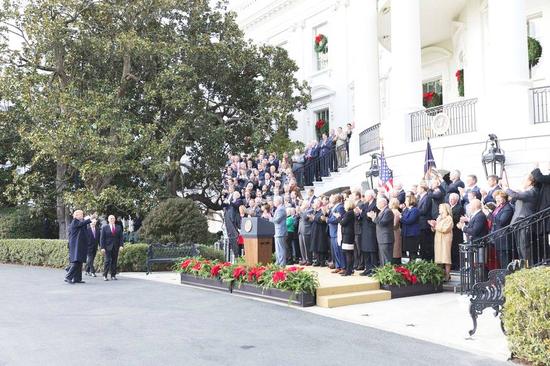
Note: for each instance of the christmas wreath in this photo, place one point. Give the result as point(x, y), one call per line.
point(320, 44)
point(321, 127)
point(460, 80)
point(431, 99)
point(535, 51)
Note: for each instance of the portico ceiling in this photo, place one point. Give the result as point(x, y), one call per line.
point(436, 20)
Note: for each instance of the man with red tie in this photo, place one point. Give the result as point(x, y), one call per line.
point(111, 242)
point(93, 244)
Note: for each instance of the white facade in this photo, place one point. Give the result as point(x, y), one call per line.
point(381, 52)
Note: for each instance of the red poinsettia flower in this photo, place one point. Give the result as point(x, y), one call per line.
point(255, 273)
point(319, 124)
point(279, 276)
point(295, 269)
point(239, 272)
point(215, 271)
point(186, 263)
point(414, 279)
point(197, 266)
point(227, 264)
point(318, 38)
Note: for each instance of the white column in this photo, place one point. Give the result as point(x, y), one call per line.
point(509, 72)
point(545, 42)
point(473, 58)
point(363, 53)
point(406, 73)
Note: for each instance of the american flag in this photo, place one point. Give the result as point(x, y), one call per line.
point(386, 176)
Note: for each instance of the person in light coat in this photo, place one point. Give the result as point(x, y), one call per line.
point(443, 240)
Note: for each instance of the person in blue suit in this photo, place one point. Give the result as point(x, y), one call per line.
point(78, 246)
point(336, 213)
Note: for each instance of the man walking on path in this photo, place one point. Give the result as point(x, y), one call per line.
point(78, 247)
point(111, 242)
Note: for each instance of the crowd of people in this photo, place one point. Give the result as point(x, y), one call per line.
point(89, 234)
point(355, 230)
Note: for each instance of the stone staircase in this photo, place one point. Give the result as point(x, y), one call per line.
point(335, 290)
point(333, 181)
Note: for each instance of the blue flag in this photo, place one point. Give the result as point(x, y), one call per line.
point(429, 161)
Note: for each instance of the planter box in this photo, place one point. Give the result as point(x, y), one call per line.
point(411, 290)
point(188, 279)
point(301, 299)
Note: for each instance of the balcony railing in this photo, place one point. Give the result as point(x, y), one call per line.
point(461, 119)
point(541, 104)
point(369, 139)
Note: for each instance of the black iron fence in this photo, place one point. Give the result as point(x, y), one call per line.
point(369, 139)
point(314, 169)
point(541, 104)
point(527, 239)
point(458, 117)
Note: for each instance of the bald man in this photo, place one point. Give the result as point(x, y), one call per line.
point(78, 246)
point(477, 225)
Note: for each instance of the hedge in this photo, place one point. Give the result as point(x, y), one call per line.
point(54, 253)
point(527, 314)
point(21, 223)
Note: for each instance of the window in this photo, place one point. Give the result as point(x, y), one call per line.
point(432, 92)
point(322, 115)
point(534, 30)
point(321, 59)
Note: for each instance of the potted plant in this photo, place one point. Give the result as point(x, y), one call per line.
point(414, 278)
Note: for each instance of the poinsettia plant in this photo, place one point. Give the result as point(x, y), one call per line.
point(414, 272)
point(291, 278)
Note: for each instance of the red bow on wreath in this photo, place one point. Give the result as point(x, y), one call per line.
point(429, 96)
point(319, 124)
point(318, 38)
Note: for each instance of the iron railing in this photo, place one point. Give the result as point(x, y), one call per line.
point(462, 119)
point(369, 139)
point(497, 249)
point(541, 104)
point(315, 169)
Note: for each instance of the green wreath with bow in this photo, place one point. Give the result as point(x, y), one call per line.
point(320, 44)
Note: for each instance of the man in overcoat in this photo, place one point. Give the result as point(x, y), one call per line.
point(78, 247)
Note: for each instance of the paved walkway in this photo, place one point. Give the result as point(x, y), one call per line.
point(439, 318)
point(134, 322)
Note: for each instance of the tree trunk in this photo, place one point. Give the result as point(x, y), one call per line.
point(61, 210)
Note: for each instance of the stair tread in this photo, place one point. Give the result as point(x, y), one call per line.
point(355, 294)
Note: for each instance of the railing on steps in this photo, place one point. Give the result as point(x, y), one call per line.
point(314, 169)
point(369, 139)
point(541, 104)
point(460, 117)
point(527, 239)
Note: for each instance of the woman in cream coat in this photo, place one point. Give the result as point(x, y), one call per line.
point(443, 228)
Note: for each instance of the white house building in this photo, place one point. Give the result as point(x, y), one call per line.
point(384, 59)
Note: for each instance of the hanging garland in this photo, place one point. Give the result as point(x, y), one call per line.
point(535, 51)
point(320, 44)
point(460, 80)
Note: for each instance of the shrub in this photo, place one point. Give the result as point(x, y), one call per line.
point(21, 223)
point(55, 253)
point(419, 271)
point(177, 220)
point(211, 253)
point(527, 314)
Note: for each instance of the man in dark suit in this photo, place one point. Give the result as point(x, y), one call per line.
point(526, 204)
point(111, 242)
point(78, 247)
point(471, 186)
point(476, 227)
point(93, 244)
point(543, 183)
point(492, 182)
point(454, 185)
point(426, 235)
point(384, 230)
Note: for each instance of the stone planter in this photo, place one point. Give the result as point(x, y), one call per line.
point(301, 299)
point(188, 279)
point(411, 290)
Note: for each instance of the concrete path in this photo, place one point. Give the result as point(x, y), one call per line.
point(44, 321)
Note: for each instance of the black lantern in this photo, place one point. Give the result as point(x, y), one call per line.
point(493, 158)
point(374, 170)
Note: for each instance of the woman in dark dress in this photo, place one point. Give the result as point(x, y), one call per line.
point(369, 244)
point(319, 235)
point(347, 224)
point(501, 217)
point(410, 228)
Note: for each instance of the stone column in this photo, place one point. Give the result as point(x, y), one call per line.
point(509, 70)
point(363, 54)
point(406, 73)
point(545, 42)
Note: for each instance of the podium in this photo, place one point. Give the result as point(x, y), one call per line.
point(258, 240)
